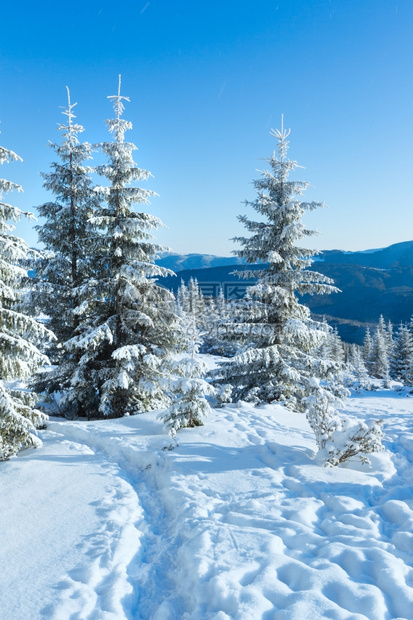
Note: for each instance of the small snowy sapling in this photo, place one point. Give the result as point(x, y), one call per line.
point(189, 388)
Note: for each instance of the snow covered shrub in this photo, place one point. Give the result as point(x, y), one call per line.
point(338, 438)
point(223, 394)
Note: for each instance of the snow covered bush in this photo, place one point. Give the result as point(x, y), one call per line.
point(19, 333)
point(338, 438)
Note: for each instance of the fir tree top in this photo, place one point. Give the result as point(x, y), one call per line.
point(274, 241)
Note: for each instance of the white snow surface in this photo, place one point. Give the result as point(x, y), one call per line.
point(238, 521)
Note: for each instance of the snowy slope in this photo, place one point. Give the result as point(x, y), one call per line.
point(237, 521)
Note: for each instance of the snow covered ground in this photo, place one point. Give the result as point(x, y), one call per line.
point(236, 522)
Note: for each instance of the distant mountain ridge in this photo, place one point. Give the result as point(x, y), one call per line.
point(181, 262)
point(372, 282)
point(396, 255)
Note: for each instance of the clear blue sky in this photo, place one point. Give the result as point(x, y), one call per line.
point(207, 81)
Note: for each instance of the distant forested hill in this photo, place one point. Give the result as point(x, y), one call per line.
point(373, 282)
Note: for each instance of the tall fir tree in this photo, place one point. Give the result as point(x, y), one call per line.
point(281, 338)
point(127, 323)
point(280, 362)
point(19, 333)
point(66, 233)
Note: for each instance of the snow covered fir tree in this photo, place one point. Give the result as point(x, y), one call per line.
point(188, 386)
point(127, 327)
point(220, 314)
point(65, 264)
point(19, 333)
point(118, 330)
point(280, 336)
point(66, 233)
point(191, 302)
point(379, 354)
point(388, 353)
point(280, 361)
point(402, 357)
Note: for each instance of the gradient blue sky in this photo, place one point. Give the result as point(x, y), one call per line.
point(207, 81)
